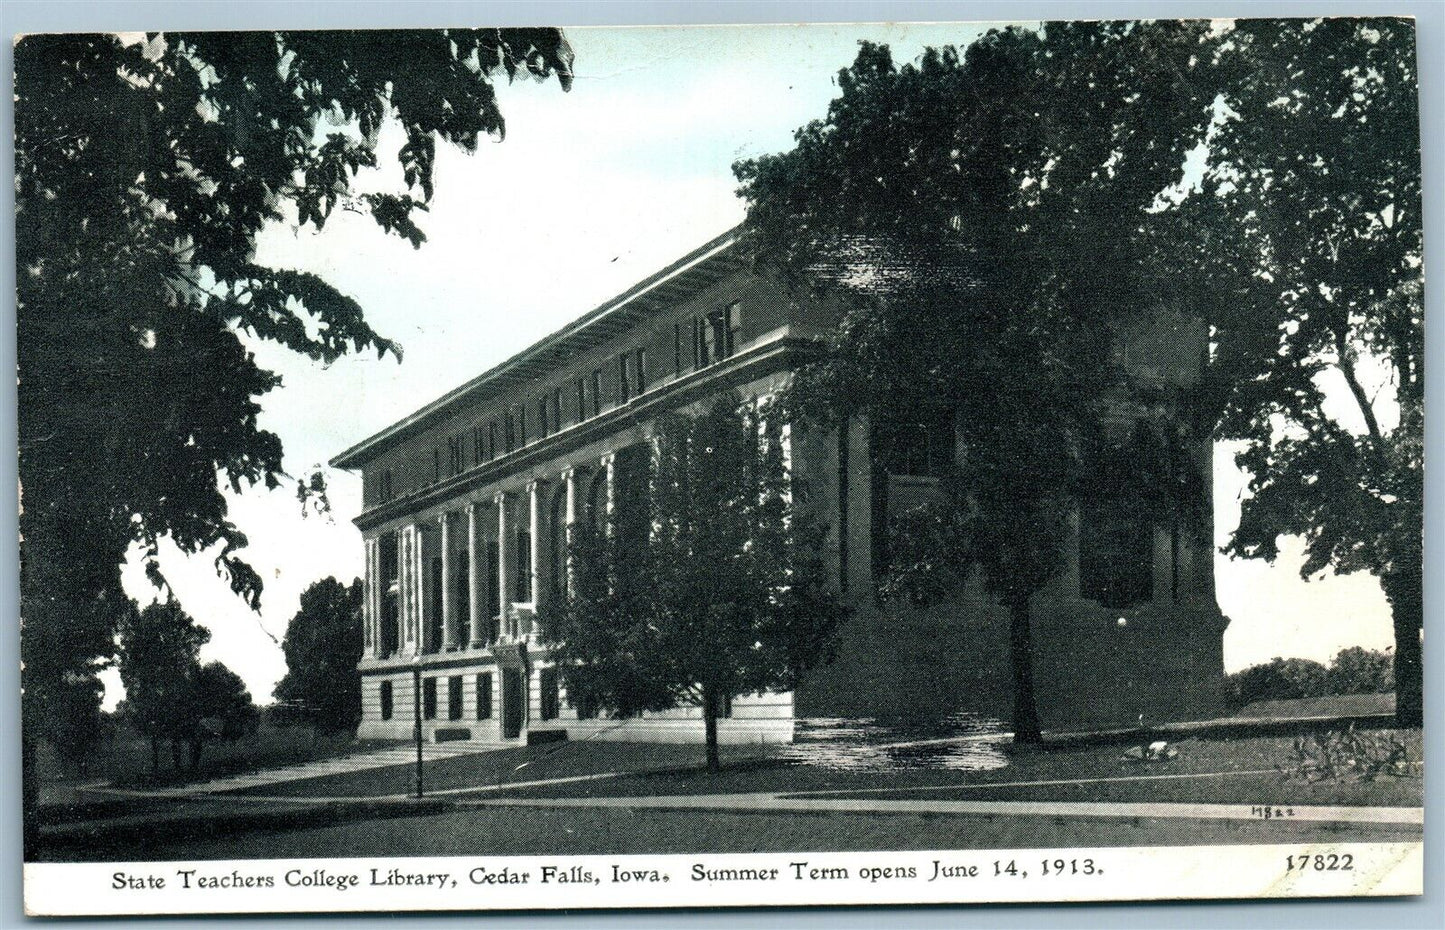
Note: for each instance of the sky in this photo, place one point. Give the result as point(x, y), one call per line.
point(591, 191)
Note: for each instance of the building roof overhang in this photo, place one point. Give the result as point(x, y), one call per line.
point(689, 275)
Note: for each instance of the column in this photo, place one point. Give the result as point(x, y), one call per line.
point(609, 463)
point(536, 525)
point(368, 613)
point(475, 613)
point(570, 476)
point(449, 632)
point(504, 559)
point(405, 594)
point(420, 601)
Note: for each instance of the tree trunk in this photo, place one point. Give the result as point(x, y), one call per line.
point(1021, 658)
point(1407, 609)
point(709, 718)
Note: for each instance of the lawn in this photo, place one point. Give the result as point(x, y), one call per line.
point(522, 831)
point(928, 771)
point(508, 766)
point(124, 760)
point(1251, 761)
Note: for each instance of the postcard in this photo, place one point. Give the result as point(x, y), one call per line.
point(537, 468)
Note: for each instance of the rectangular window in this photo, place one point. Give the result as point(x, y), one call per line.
point(677, 349)
point(544, 422)
point(549, 697)
point(484, 696)
point(479, 445)
point(521, 425)
point(434, 609)
point(624, 377)
point(429, 699)
point(639, 369)
point(492, 440)
point(386, 706)
point(524, 566)
point(436, 463)
point(715, 335)
point(390, 596)
point(581, 399)
point(454, 697)
point(596, 392)
point(557, 409)
point(454, 455)
point(509, 432)
point(494, 585)
point(385, 493)
point(462, 595)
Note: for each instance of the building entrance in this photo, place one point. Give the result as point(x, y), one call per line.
point(512, 697)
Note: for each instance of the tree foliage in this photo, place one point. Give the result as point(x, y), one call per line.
point(1354, 670)
point(323, 645)
point(1310, 270)
point(708, 584)
point(144, 171)
point(981, 218)
point(169, 694)
point(160, 649)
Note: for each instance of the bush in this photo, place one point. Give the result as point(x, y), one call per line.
point(1276, 680)
point(1347, 755)
point(1361, 671)
point(1353, 671)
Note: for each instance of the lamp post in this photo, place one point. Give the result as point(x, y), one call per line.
point(416, 716)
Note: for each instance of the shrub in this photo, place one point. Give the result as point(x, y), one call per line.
point(1361, 671)
point(1347, 755)
point(1276, 680)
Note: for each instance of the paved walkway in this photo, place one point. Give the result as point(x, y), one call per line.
point(380, 758)
point(769, 803)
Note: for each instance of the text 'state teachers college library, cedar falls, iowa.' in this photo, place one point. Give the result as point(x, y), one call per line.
point(468, 504)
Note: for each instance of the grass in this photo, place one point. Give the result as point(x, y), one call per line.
point(124, 760)
point(656, 770)
point(504, 766)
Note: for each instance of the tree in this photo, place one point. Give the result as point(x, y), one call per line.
point(144, 171)
point(981, 219)
point(219, 707)
point(78, 722)
point(323, 645)
point(159, 659)
point(1309, 267)
point(1277, 680)
point(708, 584)
point(1356, 670)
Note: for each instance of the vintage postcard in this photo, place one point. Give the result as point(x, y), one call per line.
point(475, 468)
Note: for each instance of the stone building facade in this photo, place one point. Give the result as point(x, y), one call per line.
point(469, 501)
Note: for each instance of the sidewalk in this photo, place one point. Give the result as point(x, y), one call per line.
point(775, 803)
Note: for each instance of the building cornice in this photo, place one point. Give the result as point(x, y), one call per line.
point(694, 272)
point(778, 354)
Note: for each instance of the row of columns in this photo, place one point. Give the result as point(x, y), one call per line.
point(413, 578)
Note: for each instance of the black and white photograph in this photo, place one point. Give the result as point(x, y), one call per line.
point(500, 468)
